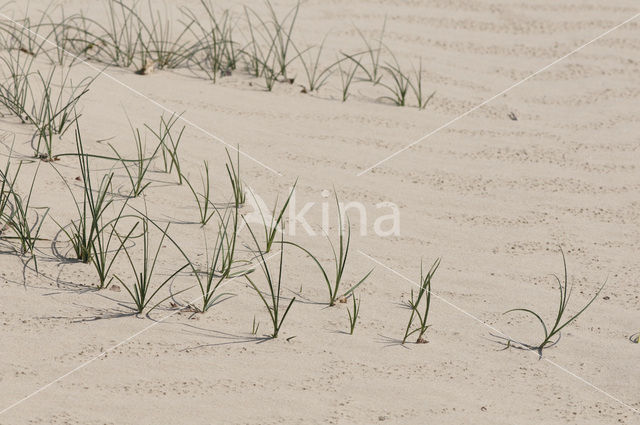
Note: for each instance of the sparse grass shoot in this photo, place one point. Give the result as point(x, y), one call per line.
point(138, 170)
point(206, 208)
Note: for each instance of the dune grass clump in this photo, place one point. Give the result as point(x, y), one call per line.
point(275, 304)
point(418, 311)
point(36, 98)
point(25, 35)
point(278, 32)
point(340, 261)
point(142, 290)
point(560, 322)
point(117, 41)
point(216, 52)
point(159, 43)
point(15, 88)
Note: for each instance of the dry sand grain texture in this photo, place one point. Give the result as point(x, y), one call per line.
point(492, 196)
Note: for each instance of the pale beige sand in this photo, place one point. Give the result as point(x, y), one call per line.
point(493, 197)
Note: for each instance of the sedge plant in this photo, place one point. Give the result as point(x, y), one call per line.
point(95, 200)
point(372, 69)
point(399, 87)
point(353, 313)
point(420, 304)
point(416, 86)
point(317, 76)
point(142, 289)
point(169, 143)
point(561, 320)
point(26, 230)
point(141, 163)
point(273, 301)
point(340, 261)
point(271, 228)
point(206, 208)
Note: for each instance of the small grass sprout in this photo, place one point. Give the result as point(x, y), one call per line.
point(373, 70)
point(169, 144)
point(104, 255)
point(206, 208)
point(271, 228)
point(424, 293)
point(6, 183)
point(353, 314)
point(237, 185)
point(138, 171)
point(347, 73)
point(255, 326)
point(416, 87)
point(560, 322)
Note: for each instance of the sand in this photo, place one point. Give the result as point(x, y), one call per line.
point(494, 197)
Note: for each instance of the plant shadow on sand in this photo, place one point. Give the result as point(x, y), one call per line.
point(508, 343)
point(388, 341)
